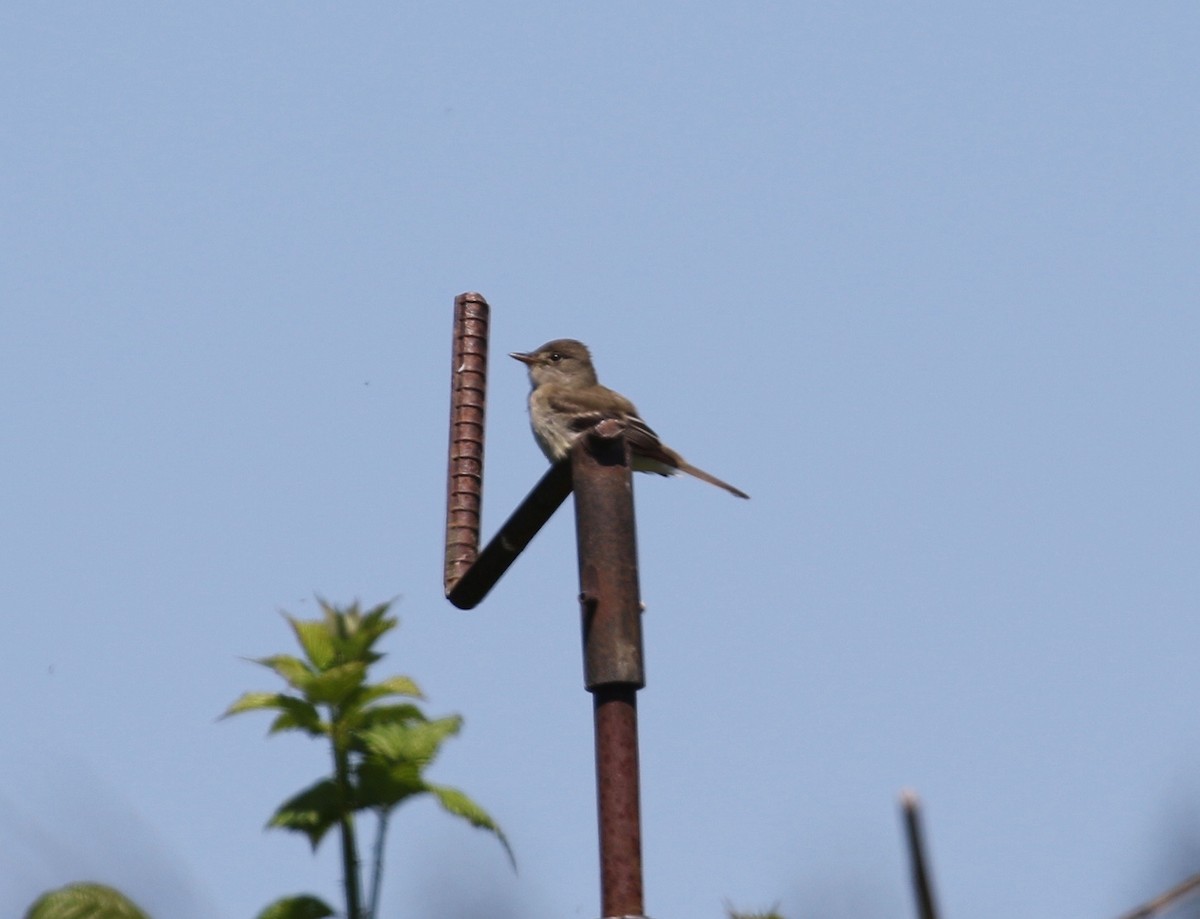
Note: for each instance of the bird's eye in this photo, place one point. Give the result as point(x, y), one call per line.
point(555, 356)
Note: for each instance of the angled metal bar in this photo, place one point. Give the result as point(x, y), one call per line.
point(511, 539)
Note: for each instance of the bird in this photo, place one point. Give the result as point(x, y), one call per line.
point(567, 399)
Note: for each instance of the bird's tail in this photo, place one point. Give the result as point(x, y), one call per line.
point(710, 479)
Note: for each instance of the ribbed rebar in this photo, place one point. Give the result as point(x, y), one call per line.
point(468, 401)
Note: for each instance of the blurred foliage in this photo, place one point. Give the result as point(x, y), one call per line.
point(382, 742)
point(84, 901)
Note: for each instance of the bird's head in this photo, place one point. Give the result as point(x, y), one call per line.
point(562, 361)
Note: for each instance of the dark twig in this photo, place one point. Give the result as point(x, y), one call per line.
point(921, 875)
point(1164, 900)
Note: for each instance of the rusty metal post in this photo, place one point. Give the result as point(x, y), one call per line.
point(612, 653)
point(598, 471)
point(468, 400)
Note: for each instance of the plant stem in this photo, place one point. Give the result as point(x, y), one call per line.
point(341, 767)
point(382, 815)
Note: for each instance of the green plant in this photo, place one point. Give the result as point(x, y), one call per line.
point(736, 914)
point(380, 747)
point(84, 901)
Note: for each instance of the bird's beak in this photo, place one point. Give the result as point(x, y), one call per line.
point(523, 357)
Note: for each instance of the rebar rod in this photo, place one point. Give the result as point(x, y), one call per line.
point(468, 401)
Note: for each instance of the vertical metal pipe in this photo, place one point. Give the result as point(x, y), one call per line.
point(618, 804)
point(613, 656)
point(468, 400)
point(608, 574)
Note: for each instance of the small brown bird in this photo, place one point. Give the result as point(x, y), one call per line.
point(567, 399)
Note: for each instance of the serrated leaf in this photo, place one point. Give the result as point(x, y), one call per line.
point(298, 715)
point(84, 901)
point(316, 640)
point(357, 633)
point(294, 714)
point(337, 619)
point(292, 669)
point(376, 623)
point(457, 803)
point(415, 743)
point(383, 786)
point(403, 714)
point(392, 686)
point(336, 685)
point(304, 906)
point(355, 721)
point(255, 701)
point(311, 812)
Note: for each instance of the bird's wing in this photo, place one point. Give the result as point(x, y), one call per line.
point(587, 407)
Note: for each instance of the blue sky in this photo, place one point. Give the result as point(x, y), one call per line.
point(921, 279)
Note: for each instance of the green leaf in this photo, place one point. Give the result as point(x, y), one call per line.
point(317, 640)
point(457, 803)
point(294, 714)
point(255, 701)
point(392, 686)
point(298, 715)
point(292, 669)
point(383, 786)
point(735, 914)
point(357, 633)
point(339, 620)
point(311, 812)
point(84, 901)
point(304, 906)
point(414, 743)
point(376, 622)
point(336, 685)
point(405, 713)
